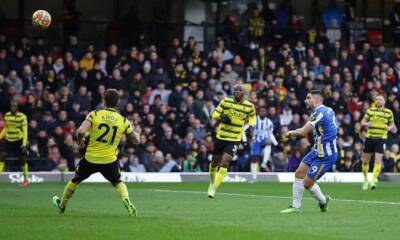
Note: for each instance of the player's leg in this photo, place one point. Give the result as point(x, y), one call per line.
point(3, 156)
point(83, 171)
point(317, 169)
point(213, 167)
point(379, 149)
point(229, 151)
point(24, 165)
point(266, 155)
point(254, 168)
point(216, 159)
point(315, 190)
point(365, 161)
point(298, 184)
point(255, 152)
point(223, 169)
point(112, 173)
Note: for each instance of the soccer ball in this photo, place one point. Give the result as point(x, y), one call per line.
point(41, 19)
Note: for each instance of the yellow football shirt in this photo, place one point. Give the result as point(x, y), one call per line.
point(107, 128)
point(16, 127)
point(380, 120)
point(239, 113)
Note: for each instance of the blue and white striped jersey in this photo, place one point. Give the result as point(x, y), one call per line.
point(264, 130)
point(325, 130)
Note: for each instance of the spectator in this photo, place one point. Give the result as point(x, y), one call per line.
point(15, 81)
point(190, 165)
point(181, 90)
point(278, 163)
point(254, 73)
point(333, 13)
point(160, 91)
point(256, 26)
point(168, 143)
point(294, 160)
point(135, 165)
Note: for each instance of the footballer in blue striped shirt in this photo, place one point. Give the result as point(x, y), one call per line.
point(320, 158)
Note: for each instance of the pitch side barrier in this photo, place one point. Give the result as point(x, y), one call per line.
point(43, 177)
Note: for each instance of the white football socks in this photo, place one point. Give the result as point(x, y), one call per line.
point(254, 170)
point(317, 193)
point(298, 189)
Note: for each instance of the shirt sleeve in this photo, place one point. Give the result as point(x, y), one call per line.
point(128, 127)
point(316, 118)
point(90, 116)
point(367, 115)
point(218, 111)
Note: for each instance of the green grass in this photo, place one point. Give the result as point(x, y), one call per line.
point(183, 211)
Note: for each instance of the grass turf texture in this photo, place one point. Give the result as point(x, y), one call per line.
point(183, 211)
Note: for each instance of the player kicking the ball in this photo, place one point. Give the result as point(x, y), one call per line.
point(106, 128)
point(320, 158)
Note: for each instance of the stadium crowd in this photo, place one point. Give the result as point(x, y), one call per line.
point(170, 94)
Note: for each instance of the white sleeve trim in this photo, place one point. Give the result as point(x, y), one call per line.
point(317, 120)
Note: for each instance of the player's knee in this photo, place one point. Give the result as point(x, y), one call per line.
point(308, 184)
point(299, 175)
point(76, 179)
point(115, 182)
point(225, 164)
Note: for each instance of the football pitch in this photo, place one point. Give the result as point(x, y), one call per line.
point(183, 211)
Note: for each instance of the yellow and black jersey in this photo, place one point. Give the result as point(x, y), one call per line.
point(15, 128)
point(257, 24)
point(239, 114)
point(107, 128)
point(380, 119)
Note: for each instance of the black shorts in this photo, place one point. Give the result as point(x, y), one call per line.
point(14, 150)
point(374, 145)
point(221, 146)
point(110, 171)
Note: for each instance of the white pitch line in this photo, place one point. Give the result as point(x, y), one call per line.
point(274, 197)
point(220, 193)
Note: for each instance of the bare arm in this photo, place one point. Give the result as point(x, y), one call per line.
point(392, 127)
point(134, 137)
point(364, 123)
point(301, 132)
point(82, 130)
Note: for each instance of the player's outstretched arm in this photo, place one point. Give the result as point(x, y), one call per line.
point(301, 132)
point(134, 137)
point(218, 112)
point(82, 130)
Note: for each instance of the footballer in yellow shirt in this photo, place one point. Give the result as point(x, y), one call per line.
point(105, 128)
point(15, 132)
point(232, 114)
point(379, 121)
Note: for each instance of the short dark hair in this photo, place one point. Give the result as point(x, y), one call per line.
point(317, 92)
point(111, 98)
